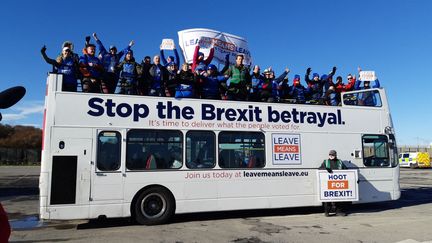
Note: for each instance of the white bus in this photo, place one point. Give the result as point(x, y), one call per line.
point(150, 157)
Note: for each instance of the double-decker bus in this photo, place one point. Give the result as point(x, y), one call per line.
point(150, 157)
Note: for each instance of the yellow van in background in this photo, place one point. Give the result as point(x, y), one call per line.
point(415, 160)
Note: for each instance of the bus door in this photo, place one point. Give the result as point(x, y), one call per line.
point(70, 174)
point(107, 176)
point(380, 172)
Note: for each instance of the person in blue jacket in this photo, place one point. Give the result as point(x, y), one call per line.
point(366, 84)
point(316, 84)
point(92, 71)
point(65, 64)
point(257, 81)
point(270, 86)
point(211, 83)
point(129, 70)
point(298, 91)
point(170, 59)
point(331, 96)
point(171, 83)
point(328, 79)
point(110, 59)
point(71, 48)
point(366, 98)
point(158, 77)
point(185, 83)
point(284, 90)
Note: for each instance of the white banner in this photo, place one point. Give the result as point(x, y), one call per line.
point(367, 76)
point(223, 43)
point(167, 44)
point(341, 185)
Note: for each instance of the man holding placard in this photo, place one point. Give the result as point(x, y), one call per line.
point(333, 163)
point(366, 98)
point(366, 77)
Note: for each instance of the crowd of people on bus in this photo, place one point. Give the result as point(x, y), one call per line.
point(106, 72)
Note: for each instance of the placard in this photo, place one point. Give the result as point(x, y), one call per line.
point(286, 149)
point(167, 44)
point(367, 76)
point(338, 186)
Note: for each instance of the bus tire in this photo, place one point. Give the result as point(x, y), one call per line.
point(154, 206)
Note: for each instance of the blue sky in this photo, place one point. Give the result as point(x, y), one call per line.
point(394, 38)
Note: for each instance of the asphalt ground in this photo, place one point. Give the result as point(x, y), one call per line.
point(407, 220)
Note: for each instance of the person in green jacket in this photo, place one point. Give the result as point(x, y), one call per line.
point(239, 80)
point(330, 164)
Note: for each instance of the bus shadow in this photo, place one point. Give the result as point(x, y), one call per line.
point(409, 197)
point(197, 217)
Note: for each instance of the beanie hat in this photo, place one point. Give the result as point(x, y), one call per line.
point(324, 77)
point(315, 75)
point(296, 77)
point(66, 43)
point(211, 67)
point(268, 70)
point(339, 79)
point(200, 54)
point(171, 58)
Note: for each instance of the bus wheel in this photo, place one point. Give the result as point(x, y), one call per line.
point(154, 206)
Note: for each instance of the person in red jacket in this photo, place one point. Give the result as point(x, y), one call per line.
point(5, 229)
point(198, 59)
point(341, 87)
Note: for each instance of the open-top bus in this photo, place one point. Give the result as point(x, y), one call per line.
point(150, 157)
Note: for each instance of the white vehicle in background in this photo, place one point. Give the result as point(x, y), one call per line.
point(150, 157)
point(415, 160)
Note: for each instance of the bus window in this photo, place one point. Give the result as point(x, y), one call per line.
point(363, 98)
point(375, 151)
point(154, 149)
point(241, 150)
point(108, 151)
point(200, 149)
